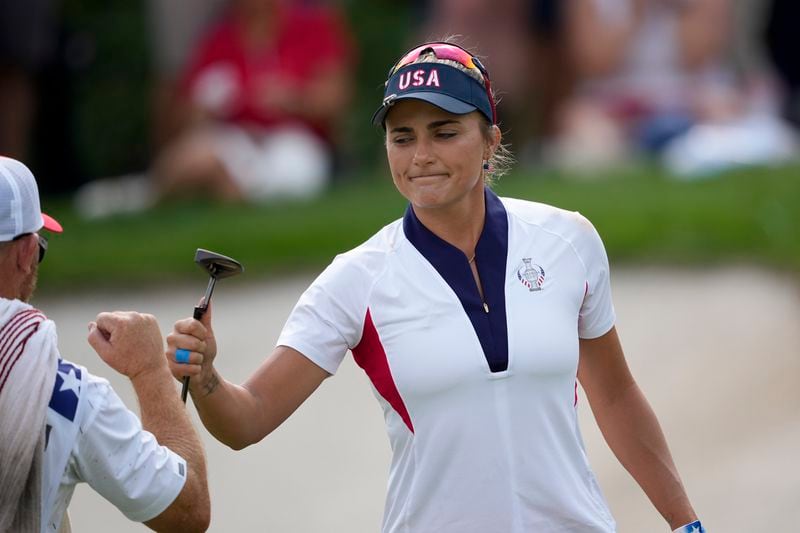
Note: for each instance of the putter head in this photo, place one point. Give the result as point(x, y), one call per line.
point(217, 265)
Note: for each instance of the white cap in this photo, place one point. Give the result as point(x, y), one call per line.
point(20, 212)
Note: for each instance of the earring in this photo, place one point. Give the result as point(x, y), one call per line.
point(486, 165)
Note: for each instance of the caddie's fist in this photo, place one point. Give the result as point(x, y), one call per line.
point(129, 342)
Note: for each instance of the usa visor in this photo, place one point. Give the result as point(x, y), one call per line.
point(442, 85)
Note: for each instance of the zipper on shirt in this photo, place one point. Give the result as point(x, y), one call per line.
point(478, 288)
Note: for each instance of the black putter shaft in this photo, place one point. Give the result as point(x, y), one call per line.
point(199, 311)
point(218, 266)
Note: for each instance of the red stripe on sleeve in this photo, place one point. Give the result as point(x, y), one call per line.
point(370, 355)
point(576, 394)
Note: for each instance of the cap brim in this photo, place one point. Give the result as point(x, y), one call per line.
point(442, 101)
point(51, 224)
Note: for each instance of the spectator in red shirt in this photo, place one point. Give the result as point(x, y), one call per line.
point(262, 93)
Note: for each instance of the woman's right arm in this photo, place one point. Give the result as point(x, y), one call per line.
point(240, 415)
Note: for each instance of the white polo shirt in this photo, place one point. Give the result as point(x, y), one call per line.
point(479, 397)
point(93, 438)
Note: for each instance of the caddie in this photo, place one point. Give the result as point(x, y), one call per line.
point(62, 425)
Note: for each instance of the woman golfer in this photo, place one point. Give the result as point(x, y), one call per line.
point(474, 317)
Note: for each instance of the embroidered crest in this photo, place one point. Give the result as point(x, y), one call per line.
point(530, 275)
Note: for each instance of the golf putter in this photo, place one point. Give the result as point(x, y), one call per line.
point(218, 267)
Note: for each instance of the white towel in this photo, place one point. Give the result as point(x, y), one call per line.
point(28, 362)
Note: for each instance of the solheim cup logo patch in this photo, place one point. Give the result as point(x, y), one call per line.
point(530, 275)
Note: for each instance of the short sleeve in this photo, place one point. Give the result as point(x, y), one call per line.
point(329, 317)
point(597, 314)
point(124, 463)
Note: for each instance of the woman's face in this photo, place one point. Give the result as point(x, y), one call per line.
point(436, 158)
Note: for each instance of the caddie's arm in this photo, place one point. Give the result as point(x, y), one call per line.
point(132, 344)
point(630, 427)
point(239, 415)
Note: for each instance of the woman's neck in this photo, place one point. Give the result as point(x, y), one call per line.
point(460, 225)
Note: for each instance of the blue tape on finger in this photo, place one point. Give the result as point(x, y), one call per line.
point(182, 356)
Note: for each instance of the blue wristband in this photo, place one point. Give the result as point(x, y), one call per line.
point(694, 527)
point(182, 356)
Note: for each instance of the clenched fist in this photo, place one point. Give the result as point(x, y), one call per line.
point(129, 342)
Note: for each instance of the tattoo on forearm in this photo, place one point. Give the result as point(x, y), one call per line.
point(211, 385)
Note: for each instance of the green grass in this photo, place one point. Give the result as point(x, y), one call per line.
point(643, 216)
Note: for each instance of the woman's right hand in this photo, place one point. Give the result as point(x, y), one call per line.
point(197, 337)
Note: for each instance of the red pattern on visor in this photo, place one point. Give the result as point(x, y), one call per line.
point(452, 52)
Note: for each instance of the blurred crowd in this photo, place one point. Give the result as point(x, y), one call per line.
point(252, 98)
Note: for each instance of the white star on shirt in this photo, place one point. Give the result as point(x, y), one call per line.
point(695, 529)
point(71, 382)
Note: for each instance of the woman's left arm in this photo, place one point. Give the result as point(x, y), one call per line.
point(630, 427)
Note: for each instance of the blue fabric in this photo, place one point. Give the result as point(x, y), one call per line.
point(490, 259)
point(66, 389)
point(694, 527)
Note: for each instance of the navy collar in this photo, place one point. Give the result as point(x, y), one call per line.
point(453, 266)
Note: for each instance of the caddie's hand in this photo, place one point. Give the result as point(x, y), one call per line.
point(191, 349)
point(129, 342)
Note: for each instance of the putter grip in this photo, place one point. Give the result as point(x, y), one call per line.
point(199, 311)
